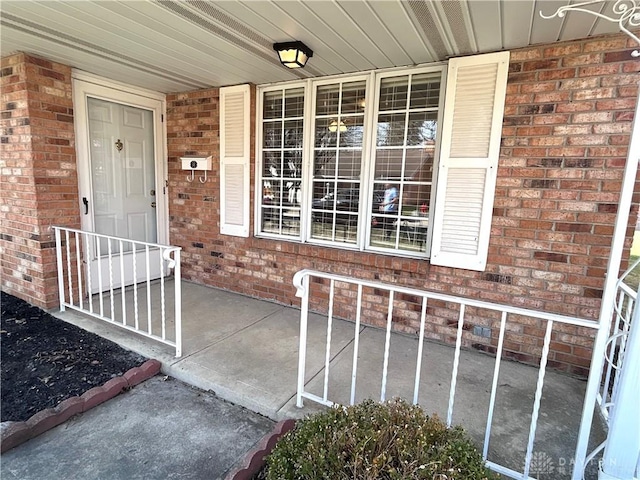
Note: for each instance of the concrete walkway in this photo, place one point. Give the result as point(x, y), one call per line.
point(246, 351)
point(160, 429)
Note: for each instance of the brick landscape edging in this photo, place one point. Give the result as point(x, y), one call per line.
point(15, 433)
point(255, 459)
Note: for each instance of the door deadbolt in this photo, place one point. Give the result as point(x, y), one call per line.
point(152, 193)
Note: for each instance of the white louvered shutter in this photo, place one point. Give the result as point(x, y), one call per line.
point(470, 147)
point(234, 160)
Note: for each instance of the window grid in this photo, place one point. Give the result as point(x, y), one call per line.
point(337, 161)
point(281, 174)
point(336, 164)
point(403, 223)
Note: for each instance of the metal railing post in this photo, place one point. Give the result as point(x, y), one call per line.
point(178, 302)
point(608, 296)
point(303, 293)
point(622, 451)
point(60, 269)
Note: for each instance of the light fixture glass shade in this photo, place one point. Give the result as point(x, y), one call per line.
point(293, 54)
point(334, 126)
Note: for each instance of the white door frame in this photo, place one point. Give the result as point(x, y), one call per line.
point(88, 85)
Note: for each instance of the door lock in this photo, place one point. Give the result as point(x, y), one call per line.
point(152, 193)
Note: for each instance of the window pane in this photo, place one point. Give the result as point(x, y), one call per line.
point(349, 164)
point(272, 164)
point(351, 136)
point(294, 103)
point(415, 200)
point(425, 91)
point(327, 100)
point(391, 129)
point(353, 97)
point(422, 128)
point(283, 132)
point(293, 134)
point(389, 164)
point(326, 134)
point(418, 165)
point(292, 165)
point(272, 105)
point(272, 132)
point(393, 93)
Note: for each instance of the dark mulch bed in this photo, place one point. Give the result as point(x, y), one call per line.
point(44, 360)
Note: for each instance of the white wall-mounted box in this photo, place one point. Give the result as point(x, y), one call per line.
point(196, 162)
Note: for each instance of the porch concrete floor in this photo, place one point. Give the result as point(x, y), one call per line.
point(246, 351)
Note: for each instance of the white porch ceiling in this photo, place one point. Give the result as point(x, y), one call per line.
point(173, 46)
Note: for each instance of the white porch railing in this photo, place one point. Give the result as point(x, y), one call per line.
point(381, 291)
point(139, 307)
point(626, 297)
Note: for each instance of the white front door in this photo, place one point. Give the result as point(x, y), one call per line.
point(121, 183)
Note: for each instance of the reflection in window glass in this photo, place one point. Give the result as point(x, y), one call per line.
point(400, 139)
point(327, 100)
point(293, 103)
point(281, 176)
point(425, 91)
point(353, 98)
point(404, 160)
point(422, 128)
point(337, 160)
point(272, 105)
point(393, 93)
point(391, 129)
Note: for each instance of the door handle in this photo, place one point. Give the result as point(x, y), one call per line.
point(153, 204)
point(86, 205)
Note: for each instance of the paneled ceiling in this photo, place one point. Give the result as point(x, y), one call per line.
point(172, 46)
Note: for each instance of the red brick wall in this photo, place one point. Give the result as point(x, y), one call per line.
point(566, 131)
point(38, 182)
point(565, 138)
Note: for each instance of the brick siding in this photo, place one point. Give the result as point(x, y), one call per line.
point(566, 133)
point(38, 181)
point(568, 118)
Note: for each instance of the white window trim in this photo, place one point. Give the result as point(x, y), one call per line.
point(257, 207)
point(372, 151)
point(372, 80)
point(307, 179)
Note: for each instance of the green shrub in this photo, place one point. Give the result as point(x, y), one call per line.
point(392, 440)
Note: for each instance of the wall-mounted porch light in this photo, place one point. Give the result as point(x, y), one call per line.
point(293, 54)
